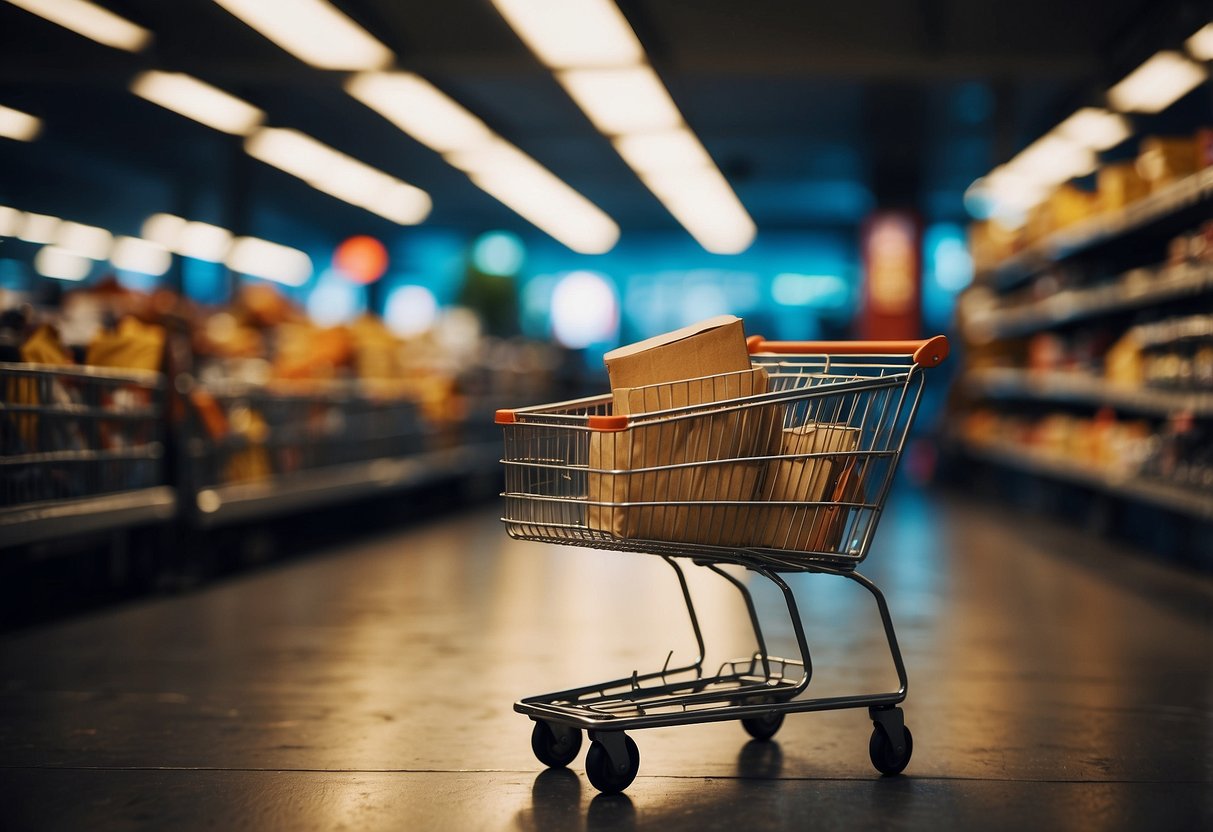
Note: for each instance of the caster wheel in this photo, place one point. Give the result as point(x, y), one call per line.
point(886, 760)
point(551, 751)
point(762, 727)
point(606, 777)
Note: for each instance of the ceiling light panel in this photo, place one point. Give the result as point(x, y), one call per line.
point(90, 20)
point(617, 101)
point(270, 261)
point(1200, 45)
point(86, 240)
point(131, 254)
point(573, 33)
point(664, 151)
point(494, 165)
point(61, 264)
point(15, 124)
point(314, 31)
point(1095, 128)
point(1053, 159)
point(702, 201)
point(420, 109)
point(187, 96)
point(539, 196)
point(1157, 84)
point(10, 221)
point(38, 228)
point(339, 175)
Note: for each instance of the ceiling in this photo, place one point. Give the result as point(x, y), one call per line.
point(815, 111)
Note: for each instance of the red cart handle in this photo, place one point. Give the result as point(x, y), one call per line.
point(927, 353)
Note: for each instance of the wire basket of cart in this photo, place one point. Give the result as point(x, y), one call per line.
point(782, 468)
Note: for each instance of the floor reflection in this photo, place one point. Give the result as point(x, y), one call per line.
point(762, 759)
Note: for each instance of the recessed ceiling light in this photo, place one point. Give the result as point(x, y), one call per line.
point(573, 33)
point(198, 100)
point(90, 20)
point(1157, 84)
point(314, 31)
point(420, 109)
point(15, 124)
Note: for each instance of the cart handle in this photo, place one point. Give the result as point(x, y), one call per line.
point(927, 353)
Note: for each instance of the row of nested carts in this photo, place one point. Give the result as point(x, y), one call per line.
point(170, 427)
point(1087, 387)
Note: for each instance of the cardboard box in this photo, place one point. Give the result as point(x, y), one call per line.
point(707, 348)
point(815, 479)
point(681, 464)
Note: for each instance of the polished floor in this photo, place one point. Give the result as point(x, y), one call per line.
point(1055, 683)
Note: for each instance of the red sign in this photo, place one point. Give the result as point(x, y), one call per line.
point(891, 253)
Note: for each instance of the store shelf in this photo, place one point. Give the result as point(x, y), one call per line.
point(1078, 388)
point(53, 519)
point(333, 485)
point(1183, 499)
point(1132, 291)
point(1187, 193)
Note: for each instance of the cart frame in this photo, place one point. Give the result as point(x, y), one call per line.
point(871, 389)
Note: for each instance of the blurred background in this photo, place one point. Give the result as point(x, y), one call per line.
point(260, 261)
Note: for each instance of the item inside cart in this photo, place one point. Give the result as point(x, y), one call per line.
point(780, 467)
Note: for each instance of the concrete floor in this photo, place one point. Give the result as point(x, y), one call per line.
point(1055, 683)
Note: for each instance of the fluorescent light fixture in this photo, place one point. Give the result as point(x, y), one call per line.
point(61, 264)
point(270, 261)
point(164, 230)
point(204, 241)
point(314, 31)
point(1010, 194)
point(90, 20)
point(573, 33)
point(1095, 128)
point(669, 150)
point(200, 101)
point(617, 101)
point(539, 196)
point(15, 124)
point(418, 108)
point(1200, 45)
point(1157, 84)
point(1052, 159)
point(131, 254)
point(339, 175)
point(706, 206)
point(39, 228)
point(199, 240)
point(10, 221)
point(86, 240)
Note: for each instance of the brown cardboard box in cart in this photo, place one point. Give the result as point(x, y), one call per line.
point(707, 348)
point(680, 464)
point(677, 465)
point(810, 479)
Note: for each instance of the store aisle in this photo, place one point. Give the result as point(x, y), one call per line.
point(1054, 683)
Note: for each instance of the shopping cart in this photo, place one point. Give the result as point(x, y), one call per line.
point(792, 479)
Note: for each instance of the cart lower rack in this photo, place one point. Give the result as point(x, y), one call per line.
point(782, 469)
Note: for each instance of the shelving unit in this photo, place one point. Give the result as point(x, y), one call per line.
point(1079, 388)
point(1061, 420)
point(1136, 289)
point(1192, 192)
point(1166, 495)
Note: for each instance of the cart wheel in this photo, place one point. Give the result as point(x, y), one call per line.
point(551, 751)
point(886, 760)
point(762, 727)
point(604, 776)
